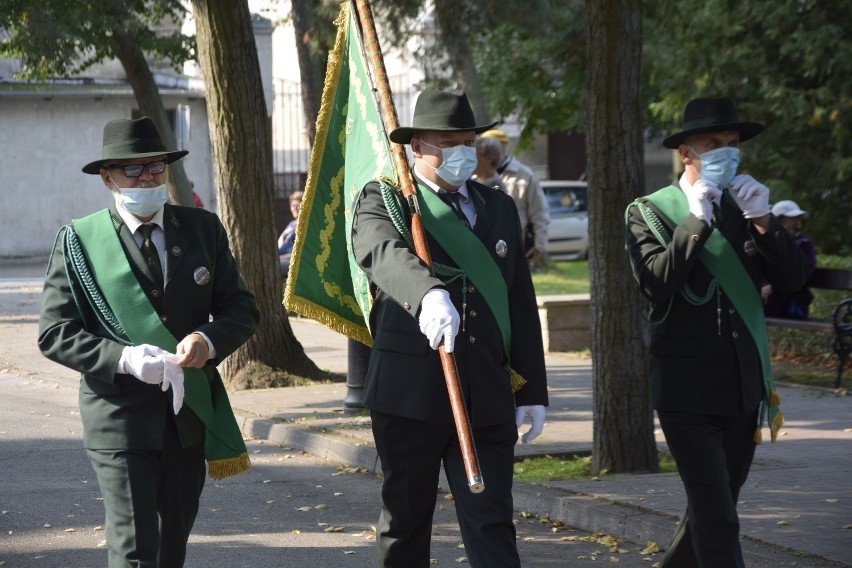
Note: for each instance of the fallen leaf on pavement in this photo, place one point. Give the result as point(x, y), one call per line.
point(650, 548)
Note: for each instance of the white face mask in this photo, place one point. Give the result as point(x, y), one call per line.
point(141, 201)
point(457, 165)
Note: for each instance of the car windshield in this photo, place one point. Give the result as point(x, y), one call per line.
point(562, 200)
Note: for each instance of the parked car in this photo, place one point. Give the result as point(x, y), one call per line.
point(568, 235)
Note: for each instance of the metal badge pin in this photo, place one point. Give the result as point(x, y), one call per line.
point(501, 248)
point(750, 248)
point(201, 276)
point(176, 251)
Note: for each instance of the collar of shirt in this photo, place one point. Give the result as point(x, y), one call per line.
point(462, 191)
point(466, 203)
point(158, 236)
point(133, 223)
point(510, 164)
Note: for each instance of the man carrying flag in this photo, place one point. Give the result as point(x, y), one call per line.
point(480, 304)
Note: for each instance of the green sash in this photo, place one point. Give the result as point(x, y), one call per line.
point(470, 255)
point(722, 261)
point(224, 448)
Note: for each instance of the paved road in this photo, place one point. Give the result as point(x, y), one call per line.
point(290, 509)
point(798, 498)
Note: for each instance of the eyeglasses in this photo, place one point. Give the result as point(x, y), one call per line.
point(135, 170)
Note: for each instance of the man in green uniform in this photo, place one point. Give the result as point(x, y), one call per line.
point(481, 306)
point(128, 299)
point(700, 251)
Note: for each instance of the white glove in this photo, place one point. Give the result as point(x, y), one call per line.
point(536, 412)
point(439, 319)
point(751, 195)
point(145, 362)
point(173, 376)
point(701, 198)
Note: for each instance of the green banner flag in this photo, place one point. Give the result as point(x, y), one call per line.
point(350, 149)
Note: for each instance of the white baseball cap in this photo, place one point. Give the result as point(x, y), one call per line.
point(788, 208)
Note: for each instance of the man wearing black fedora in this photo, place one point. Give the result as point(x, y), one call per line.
point(481, 306)
point(700, 250)
point(128, 299)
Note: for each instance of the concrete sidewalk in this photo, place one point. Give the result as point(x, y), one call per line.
point(798, 497)
point(795, 509)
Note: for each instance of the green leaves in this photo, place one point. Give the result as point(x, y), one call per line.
point(61, 38)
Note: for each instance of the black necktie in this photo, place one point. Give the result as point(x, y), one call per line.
point(452, 199)
point(149, 252)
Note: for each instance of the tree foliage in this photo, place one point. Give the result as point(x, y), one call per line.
point(786, 63)
point(62, 38)
point(535, 61)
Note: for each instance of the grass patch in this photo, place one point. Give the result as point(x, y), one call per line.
point(561, 277)
point(551, 468)
point(800, 357)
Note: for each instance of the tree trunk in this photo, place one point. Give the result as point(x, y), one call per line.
point(623, 438)
point(304, 18)
point(151, 104)
point(242, 164)
point(453, 31)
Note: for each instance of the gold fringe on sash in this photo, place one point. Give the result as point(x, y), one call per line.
point(222, 468)
point(516, 380)
point(776, 425)
point(777, 420)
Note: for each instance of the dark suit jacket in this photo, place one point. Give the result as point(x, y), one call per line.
point(118, 410)
point(404, 377)
point(699, 364)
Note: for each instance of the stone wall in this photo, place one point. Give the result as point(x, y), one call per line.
point(565, 322)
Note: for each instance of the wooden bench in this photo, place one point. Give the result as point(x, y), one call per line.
point(840, 324)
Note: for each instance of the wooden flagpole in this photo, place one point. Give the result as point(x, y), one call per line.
point(381, 87)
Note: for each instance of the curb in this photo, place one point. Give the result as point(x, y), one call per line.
point(321, 444)
point(581, 511)
point(577, 510)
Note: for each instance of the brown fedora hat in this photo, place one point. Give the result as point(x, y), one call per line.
point(711, 115)
point(126, 139)
point(446, 111)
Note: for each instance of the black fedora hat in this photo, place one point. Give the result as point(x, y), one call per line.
point(711, 115)
point(126, 139)
point(447, 111)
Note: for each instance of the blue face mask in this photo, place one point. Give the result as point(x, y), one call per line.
point(719, 165)
point(457, 165)
point(142, 201)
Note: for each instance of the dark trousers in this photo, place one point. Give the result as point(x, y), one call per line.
point(411, 452)
point(151, 501)
point(713, 456)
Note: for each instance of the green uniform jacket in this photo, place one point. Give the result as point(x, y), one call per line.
point(404, 377)
point(704, 361)
point(119, 411)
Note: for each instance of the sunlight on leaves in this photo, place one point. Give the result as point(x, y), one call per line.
point(650, 548)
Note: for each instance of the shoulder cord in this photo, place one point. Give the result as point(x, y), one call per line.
point(393, 204)
point(658, 229)
point(74, 252)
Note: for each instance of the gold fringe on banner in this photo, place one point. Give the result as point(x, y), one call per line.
point(220, 469)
